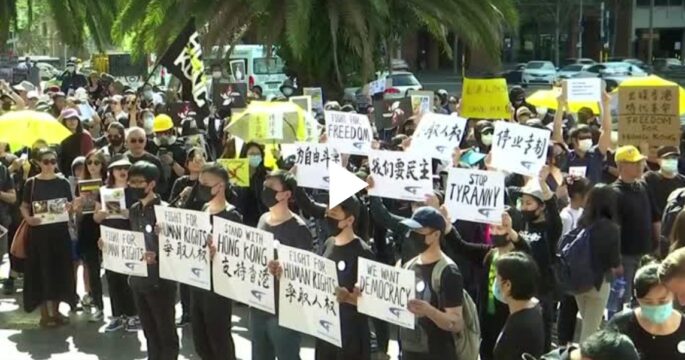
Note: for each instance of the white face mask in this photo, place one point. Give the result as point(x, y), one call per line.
point(486, 139)
point(216, 74)
point(669, 166)
point(585, 145)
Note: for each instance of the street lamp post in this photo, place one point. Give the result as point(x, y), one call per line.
point(650, 41)
point(580, 30)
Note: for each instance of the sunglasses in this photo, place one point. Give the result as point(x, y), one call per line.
point(47, 162)
point(93, 162)
point(136, 140)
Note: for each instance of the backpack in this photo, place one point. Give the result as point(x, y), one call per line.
point(574, 270)
point(467, 341)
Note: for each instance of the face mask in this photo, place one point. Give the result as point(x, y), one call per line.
point(419, 241)
point(486, 139)
point(561, 160)
point(167, 140)
point(497, 292)
point(203, 193)
point(287, 91)
point(133, 195)
point(71, 69)
point(409, 132)
point(499, 240)
point(333, 226)
point(216, 74)
point(585, 145)
point(657, 314)
point(254, 160)
point(669, 165)
point(269, 197)
point(116, 141)
point(529, 215)
point(147, 94)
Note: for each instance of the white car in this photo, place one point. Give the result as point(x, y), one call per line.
point(47, 71)
point(402, 82)
point(570, 71)
point(539, 72)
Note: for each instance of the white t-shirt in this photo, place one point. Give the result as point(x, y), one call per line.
point(569, 219)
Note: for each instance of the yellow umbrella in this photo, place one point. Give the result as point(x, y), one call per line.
point(548, 99)
point(270, 123)
point(653, 80)
point(23, 128)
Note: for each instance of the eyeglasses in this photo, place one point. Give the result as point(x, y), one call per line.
point(93, 162)
point(47, 162)
point(136, 140)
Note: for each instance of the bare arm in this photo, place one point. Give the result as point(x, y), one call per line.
point(449, 320)
point(605, 137)
point(557, 133)
point(8, 197)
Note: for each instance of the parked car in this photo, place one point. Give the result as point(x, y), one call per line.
point(539, 72)
point(571, 70)
point(581, 61)
point(402, 82)
point(613, 73)
point(637, 62)
point(513, 75)
point(664, 63)
point(47, 71)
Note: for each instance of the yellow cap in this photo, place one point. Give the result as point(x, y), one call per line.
point(628, 154)
point(163, 123)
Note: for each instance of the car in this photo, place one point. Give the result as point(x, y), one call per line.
point(665, 63)
point(632, 61)
point(513, 75)
point(571, 70)
point(581, 61)
point(402, 83)
point(47, 71)
point(539, 72)
point(613, 73)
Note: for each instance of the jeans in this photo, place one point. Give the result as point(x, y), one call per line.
point(591, 305)
point(630, 264)
point(269, 340)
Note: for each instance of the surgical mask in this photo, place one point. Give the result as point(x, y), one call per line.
point(497, 292)
point(71, 68)
point(254, 160)
point(147, 94)
point(203, 193)
point(133, 195)
point(499, 240)
point(167, 139)
point(287, 91)
point(486, 139)
point(669, 165)
point(333, 226)
point(269, 197)
point(585, 145)
point(419, 241)
point(657, 314)
point(216, 74)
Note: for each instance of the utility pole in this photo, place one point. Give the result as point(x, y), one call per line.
point(580, 30)
point(602, 33)
point(557, 15)
point(650, 42)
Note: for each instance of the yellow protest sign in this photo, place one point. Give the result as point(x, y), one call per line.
point(238, 171)
point(485, 99)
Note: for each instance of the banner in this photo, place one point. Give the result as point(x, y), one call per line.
point(475, 195)
point(123, 251)
point(485, 99)
point(234, 94)
point(183, 59)
point(437, 135)
point(317, 97)
point(307, 301)
point(183, 252)
point(385, 292)
point(349, 133)
point(518, 148)
point(400, 175)
point(312, 163)
point(239, 268)
point(238, 171)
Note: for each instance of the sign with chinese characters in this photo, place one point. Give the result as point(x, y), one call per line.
point(385, 292)
point(183, 251)
point(400, 175)
point(267, 126)
point(312, 161)
point(307, 301)
point(437, 135)
point(475, 195)
point(349, 133)
point(316, 95)
point(485, 99)
point(122, 251)
point(518, 148)
point(239, 268)
point(238, 171)
point(649, 115)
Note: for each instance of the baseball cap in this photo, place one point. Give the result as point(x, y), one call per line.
point(119, 161)
point(24, 86)
point(69, 113)
point(666, 151)
point(533, 190)
point(628, 153)
point(426, 217)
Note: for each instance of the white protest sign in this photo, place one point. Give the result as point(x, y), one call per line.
point(316, 95)
point(122, 251)
point(438, 135)
point(307, 301)
point(400, 175)
point(239, 268)
point(584, 89)
point(312, 163)
point(183, 252)
point(377, 86)
point(577, 171)
point(385, 292)
point(475, 195)
point(349, 133)
point(518, 148)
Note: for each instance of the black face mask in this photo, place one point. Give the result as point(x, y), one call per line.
point(409, 131)
point(133, 195)
point(269, 197)
point(419, 241)
point(203, 193)
point(529, 215)
point(499, 240)
point(333, 226)
point(561, 160)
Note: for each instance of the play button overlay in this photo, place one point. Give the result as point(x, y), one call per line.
point(343, 184)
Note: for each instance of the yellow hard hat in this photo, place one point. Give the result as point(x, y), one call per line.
point(163, 123)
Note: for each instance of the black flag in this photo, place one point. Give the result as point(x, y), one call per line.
point(184, 60)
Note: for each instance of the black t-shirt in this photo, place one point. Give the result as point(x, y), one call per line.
point(651, 347)
point(6, 184)
point(660, 187)
point(635, 217)
point(440, 342)
point(523, 333)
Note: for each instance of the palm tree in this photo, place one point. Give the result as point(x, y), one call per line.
point(8, 17)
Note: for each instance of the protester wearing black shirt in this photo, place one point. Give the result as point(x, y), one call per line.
point(516, 284)
point(661, 184)
point(602, 345)
point(170, 151)
point(249, 198)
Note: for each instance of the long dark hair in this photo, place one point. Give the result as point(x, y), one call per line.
point(677, 235)
point(103, 165)
point(601, 203)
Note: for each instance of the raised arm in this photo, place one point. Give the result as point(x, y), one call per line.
point(605, 137)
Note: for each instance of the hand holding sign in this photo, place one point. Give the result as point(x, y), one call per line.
point(275, 268)
point(420, 308)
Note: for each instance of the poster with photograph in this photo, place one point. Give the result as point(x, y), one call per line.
point(114, 202)
point(234, 94)
point(238, 70)
point(88, 192)
point(51, 211)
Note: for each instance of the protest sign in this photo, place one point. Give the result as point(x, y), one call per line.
point(649, 114)
point(307, 301)
point(518, 148)
point(233, 94)
point(179, 110)
point(349, 133)
point(316, 95)
point(385, 292)
point(485, 99)
point(583, 89)
point(51, 211)
point(238, 70)
point(304, 102)
point(420, 104)
point(475, 195)
point(238, 171)
point(123, 251)
point(183, 251)
point(239, 268)
point(113, 201)
point(438, 135)
point(88, 192)
point(312, 161)
point(400, 175)
point(267, 126)
point(377, 86)
point(577, 171)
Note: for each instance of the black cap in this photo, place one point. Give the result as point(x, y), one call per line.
point(666, 151)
